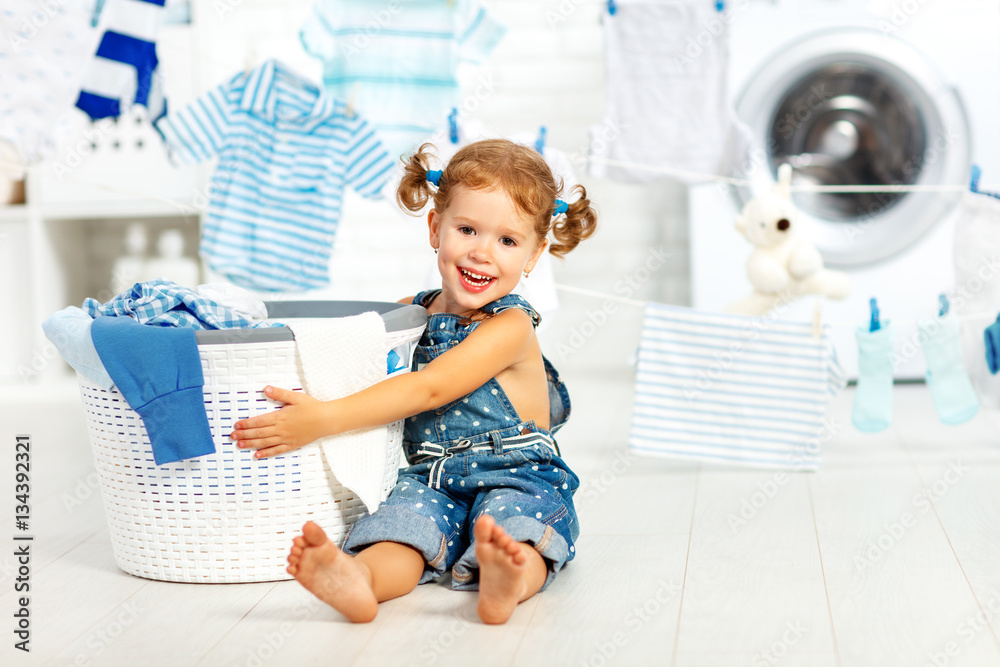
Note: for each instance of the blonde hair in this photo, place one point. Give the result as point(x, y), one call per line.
point(517, 170)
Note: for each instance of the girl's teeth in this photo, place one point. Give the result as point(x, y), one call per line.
point(475, 278)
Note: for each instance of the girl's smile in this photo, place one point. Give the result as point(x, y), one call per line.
point(473, 281)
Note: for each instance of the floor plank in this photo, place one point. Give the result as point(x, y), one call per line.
point(76, 601)
point(754, 568)
point(965, 501)
point(166, 623)
point(896, 589)
point(289, 626)
point(57, 525)
point(438, 625)
point(617, 603)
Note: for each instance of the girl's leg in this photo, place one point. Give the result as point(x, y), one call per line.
point(394, 569)
point(353, 585)
point(509, 572)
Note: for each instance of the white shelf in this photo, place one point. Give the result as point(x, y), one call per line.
point(14, 213)
point(117, 210)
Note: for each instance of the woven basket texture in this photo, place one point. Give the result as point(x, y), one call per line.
point(225, 517)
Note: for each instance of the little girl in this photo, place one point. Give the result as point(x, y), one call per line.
point(486, 494)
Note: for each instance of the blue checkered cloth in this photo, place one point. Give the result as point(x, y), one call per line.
point(165, 303)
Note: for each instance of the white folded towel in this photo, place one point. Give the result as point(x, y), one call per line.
point(338, 357)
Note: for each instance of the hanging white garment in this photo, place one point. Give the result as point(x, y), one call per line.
point(46, 50)
point(666, 92)
point(976, 299)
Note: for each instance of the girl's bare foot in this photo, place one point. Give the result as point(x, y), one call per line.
point(508, 571)
point(334, 577)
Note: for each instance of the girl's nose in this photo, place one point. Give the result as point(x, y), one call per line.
point(480, 252)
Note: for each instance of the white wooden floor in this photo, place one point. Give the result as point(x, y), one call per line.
point(890, 555)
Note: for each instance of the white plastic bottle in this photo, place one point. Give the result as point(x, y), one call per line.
point(131, 267)
point(171, 263)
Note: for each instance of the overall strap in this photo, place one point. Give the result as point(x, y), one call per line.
point(512, 301)
point(425, 297)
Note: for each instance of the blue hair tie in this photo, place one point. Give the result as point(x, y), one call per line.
point(561, 207)
point(434, 176)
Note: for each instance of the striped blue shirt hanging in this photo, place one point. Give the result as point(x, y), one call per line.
point(286, 153)
point(399, 61)
point(732, 389)
point(124, 69)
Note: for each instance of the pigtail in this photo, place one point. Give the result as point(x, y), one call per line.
point(579, 223)
point(414, 190)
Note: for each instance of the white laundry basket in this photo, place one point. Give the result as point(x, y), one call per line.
point(226, 517)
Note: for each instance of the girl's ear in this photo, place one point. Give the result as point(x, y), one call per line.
point(434, 228)
point(535, 256)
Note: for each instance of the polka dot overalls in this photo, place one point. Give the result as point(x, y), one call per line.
point(473, 456)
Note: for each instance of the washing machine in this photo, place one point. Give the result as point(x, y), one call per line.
point(857, 93)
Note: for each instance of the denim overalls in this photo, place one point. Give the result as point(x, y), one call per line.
point(475, 456)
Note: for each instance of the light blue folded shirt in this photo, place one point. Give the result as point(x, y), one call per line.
point(69, 331)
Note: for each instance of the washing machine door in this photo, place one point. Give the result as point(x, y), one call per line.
point(853, 108)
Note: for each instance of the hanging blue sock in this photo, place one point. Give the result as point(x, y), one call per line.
point(991, 338)
point(954, 398)
point(872, 410)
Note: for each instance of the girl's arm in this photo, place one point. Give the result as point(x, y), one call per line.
point(495, 345)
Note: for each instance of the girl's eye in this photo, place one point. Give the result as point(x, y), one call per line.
point(509, 242)
point(465, 229)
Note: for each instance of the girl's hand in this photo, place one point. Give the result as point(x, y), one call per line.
point(300, 421)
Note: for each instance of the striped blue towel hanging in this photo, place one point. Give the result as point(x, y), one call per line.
point(732, 389)
point(124, 71)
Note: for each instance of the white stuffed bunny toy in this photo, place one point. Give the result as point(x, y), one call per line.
point(783, 265)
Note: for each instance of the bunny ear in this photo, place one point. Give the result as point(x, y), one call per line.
point(783, 188)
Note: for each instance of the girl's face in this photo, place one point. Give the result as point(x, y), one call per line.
point(484, 245)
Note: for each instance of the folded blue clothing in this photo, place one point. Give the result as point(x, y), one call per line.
point(69, 331)
point(158, 372)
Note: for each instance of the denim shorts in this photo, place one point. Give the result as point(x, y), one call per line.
point(520, 481)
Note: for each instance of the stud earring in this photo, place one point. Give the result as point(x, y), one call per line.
point(525, 274)
point(435, 251)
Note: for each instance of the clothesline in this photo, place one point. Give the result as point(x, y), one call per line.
point(699, 176)
point(604, 296)
point(832, 323)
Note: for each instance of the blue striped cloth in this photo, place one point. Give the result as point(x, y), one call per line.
point(286, 153)
point(165, 303)
point(398, 61)
point(732, 389)
point(124, 70)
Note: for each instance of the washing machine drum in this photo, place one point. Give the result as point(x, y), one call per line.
point(857, 108)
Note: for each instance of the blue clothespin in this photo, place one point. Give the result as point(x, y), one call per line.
point(720, 6)
point(944, 305)
point(540, 141)
point(453, 125)
point(96, 16)
point(874, 324)
point(612, 7)
point(977, 172)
